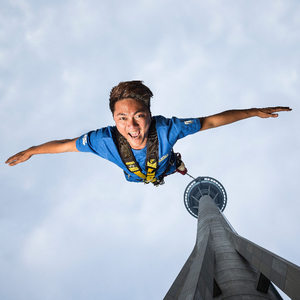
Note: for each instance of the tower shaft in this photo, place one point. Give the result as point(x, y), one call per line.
point(235, 277)
point(215, 270)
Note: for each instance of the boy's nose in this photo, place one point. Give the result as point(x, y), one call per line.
point(132, 122)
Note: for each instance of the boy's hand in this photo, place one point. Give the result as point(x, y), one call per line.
point(19, 158)
point(270, 112)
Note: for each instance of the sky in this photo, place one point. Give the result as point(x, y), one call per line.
point(71, 227)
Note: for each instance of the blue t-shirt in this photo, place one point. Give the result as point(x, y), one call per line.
point(101, 142)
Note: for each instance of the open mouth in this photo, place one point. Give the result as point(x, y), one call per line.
point(134, 134)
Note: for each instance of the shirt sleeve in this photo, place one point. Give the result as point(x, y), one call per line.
point(175, 128)
point(98, 141)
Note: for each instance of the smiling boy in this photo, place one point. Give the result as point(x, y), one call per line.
point(139, 143)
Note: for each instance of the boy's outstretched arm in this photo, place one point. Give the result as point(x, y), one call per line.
point(231, 116)
point(50, 147)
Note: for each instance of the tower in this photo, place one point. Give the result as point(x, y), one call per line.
point(224, 265)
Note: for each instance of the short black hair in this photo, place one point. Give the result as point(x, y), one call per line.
point(130, 90)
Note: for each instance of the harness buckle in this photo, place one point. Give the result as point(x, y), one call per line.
point(180, 166)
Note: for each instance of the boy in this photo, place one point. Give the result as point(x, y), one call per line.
point(141, 144)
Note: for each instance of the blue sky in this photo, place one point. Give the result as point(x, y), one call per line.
point(71, 226)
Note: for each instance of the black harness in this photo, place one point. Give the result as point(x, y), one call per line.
point(130, 162)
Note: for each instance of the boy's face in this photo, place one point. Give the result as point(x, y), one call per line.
point(133, 120)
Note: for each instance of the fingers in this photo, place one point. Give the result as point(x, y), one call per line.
point(276, 109)
point(272, 112)
point(18, 158)
point(12, 161)
point(280, 108)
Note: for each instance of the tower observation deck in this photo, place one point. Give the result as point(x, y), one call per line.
point(224, 265)
point(204, 186)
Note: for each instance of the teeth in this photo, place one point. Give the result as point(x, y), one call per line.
point(134, 134)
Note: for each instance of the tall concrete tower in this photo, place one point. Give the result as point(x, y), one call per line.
point(224, 265)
